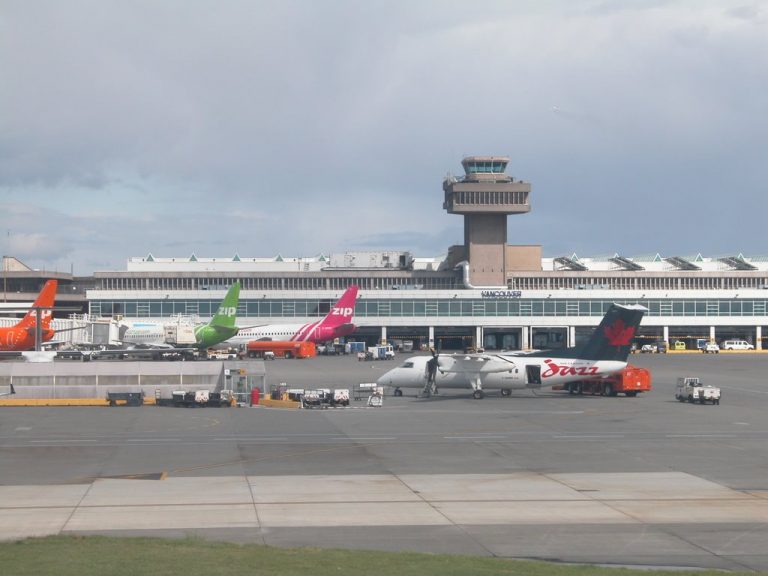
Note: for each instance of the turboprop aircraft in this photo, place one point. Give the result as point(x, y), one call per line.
point(603, 354)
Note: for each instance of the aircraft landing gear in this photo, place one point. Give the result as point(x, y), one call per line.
point(477, 386)
point(506, 392)
point(397, 392)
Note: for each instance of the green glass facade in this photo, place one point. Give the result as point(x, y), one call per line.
point(431, 308)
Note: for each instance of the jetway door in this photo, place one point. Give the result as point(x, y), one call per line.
point(533, 375)
point(100, 334)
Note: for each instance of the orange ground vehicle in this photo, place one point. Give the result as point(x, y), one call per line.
point(280, 349)
point(630, 382)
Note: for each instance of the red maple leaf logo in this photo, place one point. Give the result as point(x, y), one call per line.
point(618, 334)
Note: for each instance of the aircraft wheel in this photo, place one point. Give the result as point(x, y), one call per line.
point(609, 390)
point(506, 392)
point(478, 395)
point(398, 392)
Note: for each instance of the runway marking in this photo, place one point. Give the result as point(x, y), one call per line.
point(747, 390)
point(700, 436)
point(248, 438)
point(488, 437)
point(59, 441)
point(153, 439)
point(587, 436)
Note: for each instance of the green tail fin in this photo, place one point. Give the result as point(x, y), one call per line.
point(226, 314)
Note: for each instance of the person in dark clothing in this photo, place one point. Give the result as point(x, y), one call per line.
point(432, 368)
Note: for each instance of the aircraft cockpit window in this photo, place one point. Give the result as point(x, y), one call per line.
point(407, 365)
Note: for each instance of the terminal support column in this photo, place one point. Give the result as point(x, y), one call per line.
point(711, 333)
point(666, 334)
point(525, 332)
point(383, 334)
point(478, 337)
point(759, 338)
point(571, 336)
point(431, 337)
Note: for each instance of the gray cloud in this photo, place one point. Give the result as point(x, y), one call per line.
point(301, 127)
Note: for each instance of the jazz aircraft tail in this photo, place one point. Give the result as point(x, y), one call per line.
point(612, 339)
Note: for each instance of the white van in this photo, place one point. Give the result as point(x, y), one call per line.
point(737, 345)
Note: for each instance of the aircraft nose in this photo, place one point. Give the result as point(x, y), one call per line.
point(385, 379)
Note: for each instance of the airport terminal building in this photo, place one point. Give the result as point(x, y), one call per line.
point(484, 292)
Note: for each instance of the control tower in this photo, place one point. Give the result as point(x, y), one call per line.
point(485, 196)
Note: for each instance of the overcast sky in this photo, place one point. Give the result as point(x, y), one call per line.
point(305, 127)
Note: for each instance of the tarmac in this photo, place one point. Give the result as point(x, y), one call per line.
point(644, 481)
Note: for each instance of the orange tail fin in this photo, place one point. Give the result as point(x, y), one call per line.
point(44, 303)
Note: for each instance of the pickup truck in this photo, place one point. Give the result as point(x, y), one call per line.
point(711, 348)
point(693, 390)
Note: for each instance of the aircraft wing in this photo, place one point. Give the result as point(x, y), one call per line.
point(138, 347)
point(475, 364)
point(147, 352)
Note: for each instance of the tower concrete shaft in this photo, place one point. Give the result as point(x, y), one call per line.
point(485, 196)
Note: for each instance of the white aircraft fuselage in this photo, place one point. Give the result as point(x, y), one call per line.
point(504, 372)
point(605, 353)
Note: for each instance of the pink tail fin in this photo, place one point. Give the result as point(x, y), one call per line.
point(343, 311)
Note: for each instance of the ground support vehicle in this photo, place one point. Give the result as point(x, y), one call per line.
point(222, 355)
point(737, 345)
point(280, 349)
point(384, 352)
point(710, 348)
point(196, 399)
point(376, 398)
point(125, 398)
point(323, 398)
point(340, 397)
point(692, 389)
point(364, 389)
point(631, 381)
point(356, 347)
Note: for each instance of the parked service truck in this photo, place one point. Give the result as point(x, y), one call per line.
point(280, 349)
point(383, 352)
point(694, 390)
point(631, 381)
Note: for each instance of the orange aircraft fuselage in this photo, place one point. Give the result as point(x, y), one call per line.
point(21, 337)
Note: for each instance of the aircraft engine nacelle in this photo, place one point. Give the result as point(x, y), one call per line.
point(324, 333)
